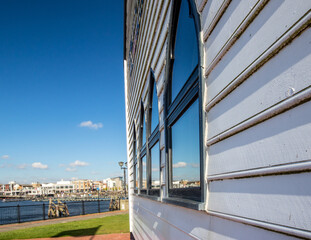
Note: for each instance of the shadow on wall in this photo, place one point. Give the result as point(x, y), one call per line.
point(79, 232)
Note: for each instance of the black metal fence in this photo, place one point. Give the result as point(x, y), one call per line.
point(39, 211)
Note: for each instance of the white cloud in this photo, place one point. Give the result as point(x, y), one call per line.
point(39, 165)
point(78, 163)
point(179, 165)
point(95, 173)
point(5, 156)
point(155, 169)
point(69, 169)
point(91, 125)
point(22, 166)
point(194, 165)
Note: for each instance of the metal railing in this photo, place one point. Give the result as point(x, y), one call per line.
point(39, 211)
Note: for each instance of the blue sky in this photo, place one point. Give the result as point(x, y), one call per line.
point(62, 90)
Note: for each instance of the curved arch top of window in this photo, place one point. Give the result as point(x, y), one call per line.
point(185, 48)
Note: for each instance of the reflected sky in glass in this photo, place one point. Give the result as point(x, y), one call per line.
point(155, 165)
point(186, 50)
point(154, 111)
point(144, 172)
point(185, 146)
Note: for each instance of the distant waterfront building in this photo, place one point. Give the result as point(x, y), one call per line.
point(97, 185)
point(83, 185)
point(64, 187)
point(48, 188)
point(218, 118)
point(113, 183)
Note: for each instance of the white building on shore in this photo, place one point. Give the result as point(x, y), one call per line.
point(218, 111)
point(113, 183)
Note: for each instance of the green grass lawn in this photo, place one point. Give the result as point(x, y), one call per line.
point(106, 225)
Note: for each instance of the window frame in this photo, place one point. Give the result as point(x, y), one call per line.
point(152, 137)
point(135, 177)
point(174, 109)
point(143, 151)
point(151, 140)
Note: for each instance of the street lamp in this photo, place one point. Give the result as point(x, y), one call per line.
point(124, 168)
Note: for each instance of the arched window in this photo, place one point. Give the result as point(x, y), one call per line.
point(153, 139)
point(135, 170)
point(184, 48)
point(143, 153)
point(150, 150)
point(183, 101)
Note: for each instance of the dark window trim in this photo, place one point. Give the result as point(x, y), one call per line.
point(143, 148)
point(154, 192)
point(185, 203)
point(177, 109)
point(152, 84)
point(143, 190)
point(191, 81)
point(143, 151)
point(191, 91)
point(154, 138)
point(150, 197)
point(142, 121)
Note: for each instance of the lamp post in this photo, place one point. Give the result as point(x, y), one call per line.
point(124, 168)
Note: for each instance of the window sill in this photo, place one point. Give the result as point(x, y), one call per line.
point(185, 203)
point(150, 197)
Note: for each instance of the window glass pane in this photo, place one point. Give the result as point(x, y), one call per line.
point(135, 163)
point(186, 50)
point(155, 166)
point(144, 129)
point(154, 112)
point(144, 173)
point(136, 176)
point(186, 149)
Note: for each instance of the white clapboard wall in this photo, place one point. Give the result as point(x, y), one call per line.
point(257, 139)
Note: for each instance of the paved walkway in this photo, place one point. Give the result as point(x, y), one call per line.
point(10, 227)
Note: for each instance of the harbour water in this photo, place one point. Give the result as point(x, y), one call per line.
point(25, 211)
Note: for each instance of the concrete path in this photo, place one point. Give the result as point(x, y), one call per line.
point(15, 226)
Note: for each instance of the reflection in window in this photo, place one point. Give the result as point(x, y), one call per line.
point(135, 162)
point(143, 128)
point(155, 166)
point(136, 176)
point(154, 111)
point(185, 51)
point(144, 172)
point(186, 149)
